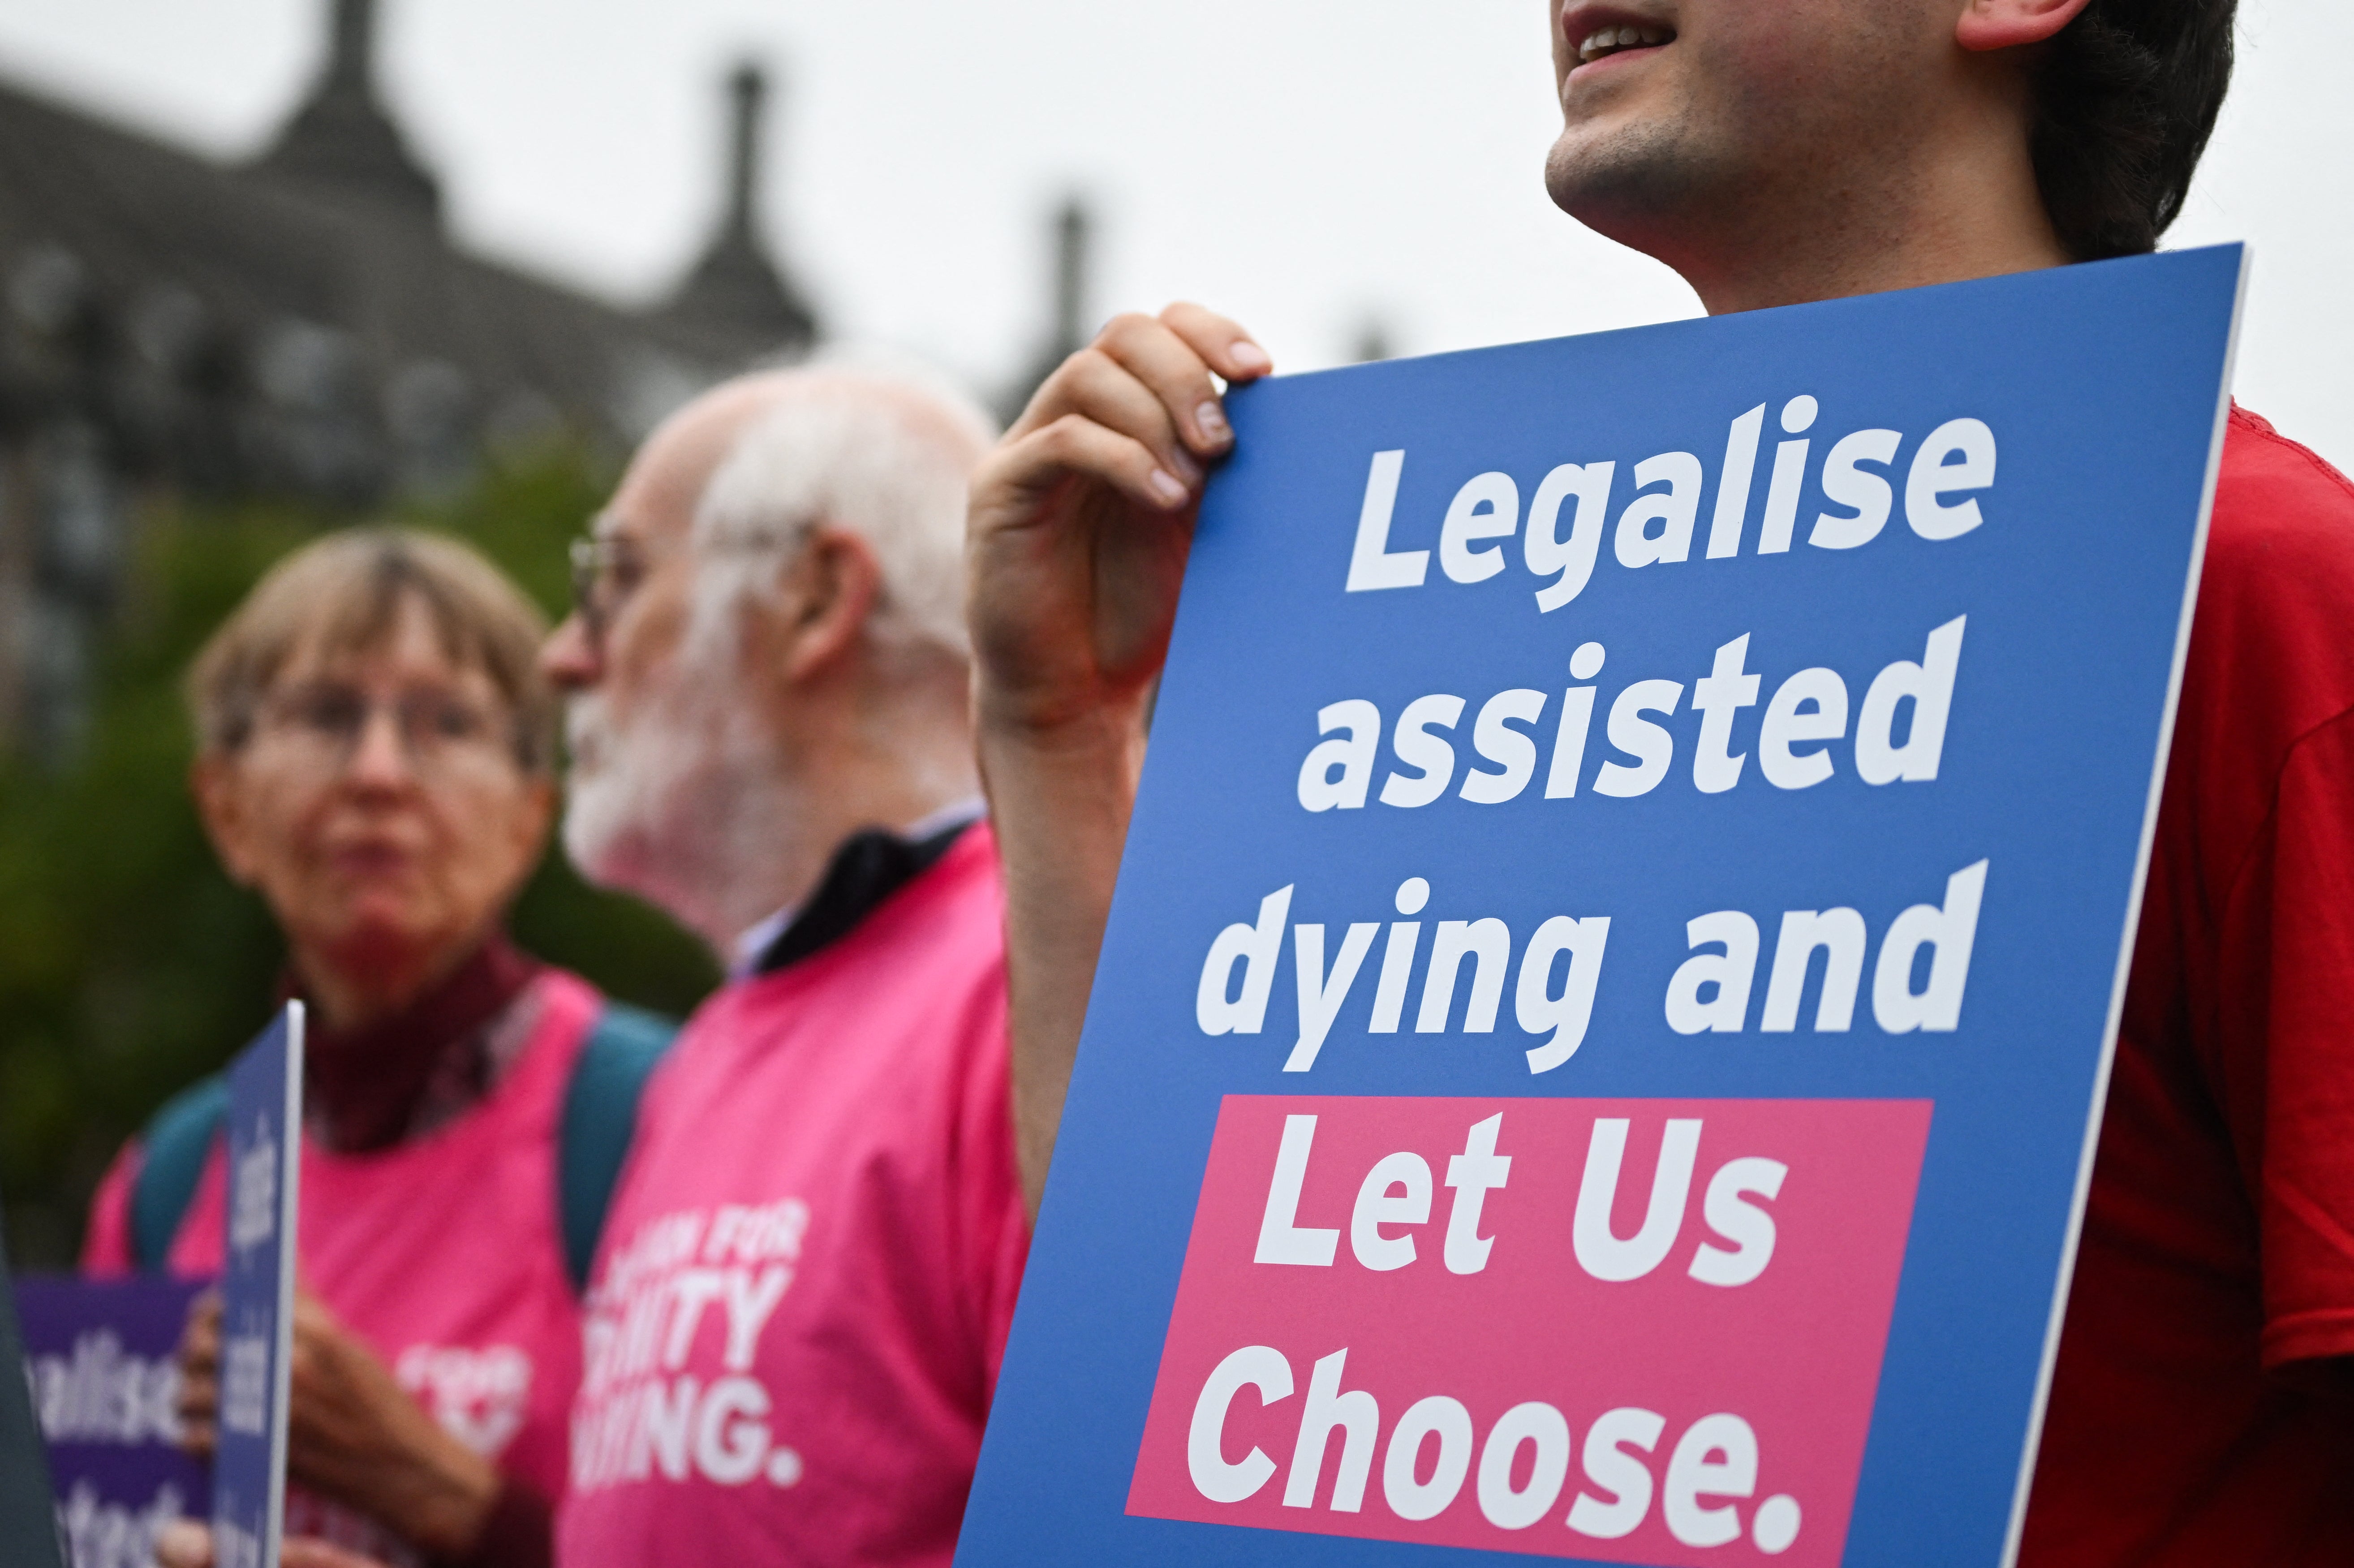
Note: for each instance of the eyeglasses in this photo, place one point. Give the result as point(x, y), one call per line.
point(605, 570)
point(317, 725)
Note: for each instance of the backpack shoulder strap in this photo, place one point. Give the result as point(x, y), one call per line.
point(172, 1158)
point(600, 1116)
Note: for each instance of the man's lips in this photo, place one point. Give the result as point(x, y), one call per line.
point(1609, 64)
point(1597, 35)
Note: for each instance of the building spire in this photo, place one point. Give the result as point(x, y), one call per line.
point(341, 143)
point(351, 58)
point(738, 296)
point(1068, 327)
point(1072, 226)
point(750, 89)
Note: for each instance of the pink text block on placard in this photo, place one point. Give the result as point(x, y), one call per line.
point(1637, 1331)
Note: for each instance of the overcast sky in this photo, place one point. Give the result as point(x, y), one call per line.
point(1303, 164)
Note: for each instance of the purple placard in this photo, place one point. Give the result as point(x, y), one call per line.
point(101, 1358)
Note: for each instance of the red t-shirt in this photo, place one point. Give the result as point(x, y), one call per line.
point(808, 1272)
point(2199, 1412)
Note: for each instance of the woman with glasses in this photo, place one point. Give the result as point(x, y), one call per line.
point(375, 755)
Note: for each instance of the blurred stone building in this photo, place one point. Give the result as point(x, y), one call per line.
point(298, 324)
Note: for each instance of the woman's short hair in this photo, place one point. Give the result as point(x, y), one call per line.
point(345, 595)
point(2126, 97)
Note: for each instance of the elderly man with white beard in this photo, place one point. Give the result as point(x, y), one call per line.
point(795, 1319)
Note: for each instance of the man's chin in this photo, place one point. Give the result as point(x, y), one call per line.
point(1632, 181)
point(597, 836)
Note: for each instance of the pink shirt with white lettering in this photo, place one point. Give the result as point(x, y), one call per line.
point(443, 1253)
point(809, 1265)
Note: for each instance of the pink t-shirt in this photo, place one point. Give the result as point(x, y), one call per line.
point(443, 1253)
point(810, 1265)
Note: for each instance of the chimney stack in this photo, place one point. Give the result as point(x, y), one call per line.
point(737, 299)
point(1074, 237)
point(351, 59)
point(1072, 232)
point(750, 89)
point(341, 144)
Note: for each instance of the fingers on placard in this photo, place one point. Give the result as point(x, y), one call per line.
point(309, 1363)
point(1177, 377)
point(197, 1438)
point(201, 1332)
point(1101, 387)
point(184, 1543)
point(1079, 445)
point(309, 1552)
point(199, 1391)
point(314, 1313)
point(1222, 343)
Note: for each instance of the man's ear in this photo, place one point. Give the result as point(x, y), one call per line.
point(220, 806)
point(1990, 25)
point(829, 592)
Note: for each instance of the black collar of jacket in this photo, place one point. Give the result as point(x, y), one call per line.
point(869, 867)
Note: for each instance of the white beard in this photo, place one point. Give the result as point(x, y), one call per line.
point(688, 807)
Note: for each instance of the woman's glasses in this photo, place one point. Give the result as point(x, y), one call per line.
point(317, 725)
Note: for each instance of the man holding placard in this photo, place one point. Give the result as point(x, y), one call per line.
point(1774, 156)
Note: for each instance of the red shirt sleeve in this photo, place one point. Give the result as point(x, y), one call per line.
point(106, 1246)
point(2299, 889)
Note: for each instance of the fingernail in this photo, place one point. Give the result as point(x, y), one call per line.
point(1164, 485)
point(181, 1542)
point(1212, 421)
point(1249, 356)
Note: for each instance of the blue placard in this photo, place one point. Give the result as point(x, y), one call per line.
point(103, 1362)
point(264, 1130)
point(1612, 980)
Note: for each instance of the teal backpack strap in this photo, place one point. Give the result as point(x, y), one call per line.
point(600, 1116)
point(173, 1150)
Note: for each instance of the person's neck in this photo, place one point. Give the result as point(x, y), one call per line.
point(356, 985)
point(1961, 205)
point(870, 776)
point(365, 1079)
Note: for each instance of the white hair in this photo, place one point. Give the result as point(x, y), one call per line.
point(695, 804)
point(883, 454)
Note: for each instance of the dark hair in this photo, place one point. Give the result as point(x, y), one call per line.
point(2126, 97)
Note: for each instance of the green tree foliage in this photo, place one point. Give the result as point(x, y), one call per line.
point(130, 965)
